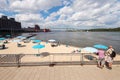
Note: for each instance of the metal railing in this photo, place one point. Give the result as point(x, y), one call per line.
point(48, 59)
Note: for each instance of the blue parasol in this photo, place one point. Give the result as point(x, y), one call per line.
point(100, 46)
point(2, 38)
point(36, 41)
point(90, 49)
point(38, 46)
point(8, 36)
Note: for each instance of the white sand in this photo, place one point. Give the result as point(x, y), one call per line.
point(27, 48)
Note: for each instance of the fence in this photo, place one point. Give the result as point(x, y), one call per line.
point(48, 59)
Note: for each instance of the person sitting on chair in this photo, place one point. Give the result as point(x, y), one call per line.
point(3, 46)
point(18, 44)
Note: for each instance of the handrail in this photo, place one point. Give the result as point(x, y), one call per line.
point(48, 59)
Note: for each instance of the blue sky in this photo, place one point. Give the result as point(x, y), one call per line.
point(78, 14)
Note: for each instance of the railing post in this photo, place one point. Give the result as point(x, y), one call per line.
point(82, 61)
point(18, 60)
point(71, 58)
point(51, 61)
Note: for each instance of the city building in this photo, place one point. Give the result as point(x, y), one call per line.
point(36, 28)
point(9, 24)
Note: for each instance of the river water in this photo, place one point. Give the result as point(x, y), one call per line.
point(84, 39)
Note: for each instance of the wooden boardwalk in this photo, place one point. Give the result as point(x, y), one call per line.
point(76, 72)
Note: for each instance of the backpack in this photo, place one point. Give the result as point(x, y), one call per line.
point(113, 54)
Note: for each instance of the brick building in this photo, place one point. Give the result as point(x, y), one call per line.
point(9, 24)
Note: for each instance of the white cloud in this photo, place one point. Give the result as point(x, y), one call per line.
point(23, 5)
point(89, 13)
point(95, 13)
point(3, 5)
point(108, 19)
point(34, 5)
point(1, 14)
point(82, 16)
point(28, 17)
point(58, 24)
point(52, 17)
point(67, 2)
point(74, 13)
point(62, 17)
point(66, 10)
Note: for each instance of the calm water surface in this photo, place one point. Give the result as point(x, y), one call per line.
point(84, 39)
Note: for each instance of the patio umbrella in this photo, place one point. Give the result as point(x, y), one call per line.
point(100, 46)
point(23, 38)
point(32, 38)
point(17, 40)
point(19, 37)
point(8, 36)
point(2, 38)
point(36, 41)
point(90, 49)
point(52, 40)
point(38, 46)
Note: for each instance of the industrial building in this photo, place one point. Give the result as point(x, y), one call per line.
point(9, 24)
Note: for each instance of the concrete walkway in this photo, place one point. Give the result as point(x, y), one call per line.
point(86, 72)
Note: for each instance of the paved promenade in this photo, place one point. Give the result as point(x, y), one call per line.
point(86, 72)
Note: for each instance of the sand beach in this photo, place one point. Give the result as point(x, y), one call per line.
point(26, 48)
point(12, 48)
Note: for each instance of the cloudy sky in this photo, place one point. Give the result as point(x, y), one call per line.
point(81, 14)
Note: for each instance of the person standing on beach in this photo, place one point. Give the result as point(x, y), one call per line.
point(109, 59)
point(101, 58)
